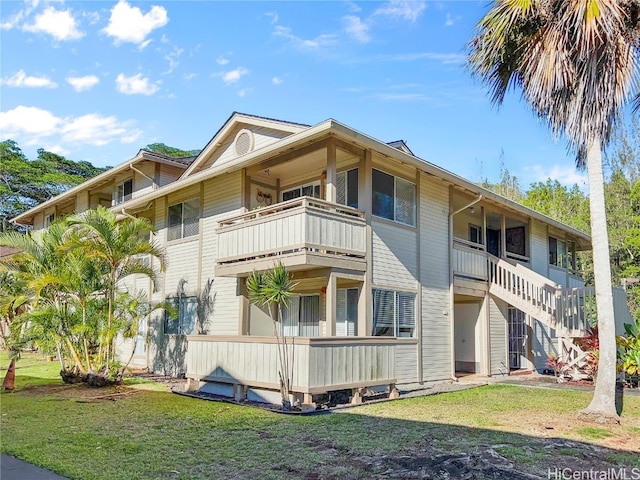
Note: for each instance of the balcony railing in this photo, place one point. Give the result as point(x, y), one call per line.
point(303, 226)
point(317, 365)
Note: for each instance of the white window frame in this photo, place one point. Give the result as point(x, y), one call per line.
point(290, 323)
point(343, 177)
point(396, 313)
point(559, 263)
point(194, 200)
point(346, 327)
point(187, 320)
point(479, 234)
point(313, 184)
point(395, 199)
point(121, 198)
point(49, 219)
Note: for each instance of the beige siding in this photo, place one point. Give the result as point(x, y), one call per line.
point(539, 248)
point(82, 201)
point(38, 221)
point(406, 363)
point(395, 256)
point(222, 198)
point(434, 248)
point(181, 275)
point(498, 336)
point(168, 174)
point(226, 152)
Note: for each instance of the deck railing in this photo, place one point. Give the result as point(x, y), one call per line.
point(317, 365)
point(303, 224)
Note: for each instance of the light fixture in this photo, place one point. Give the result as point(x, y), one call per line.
point(472, 210)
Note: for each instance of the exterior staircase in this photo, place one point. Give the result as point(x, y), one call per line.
point(567, 310)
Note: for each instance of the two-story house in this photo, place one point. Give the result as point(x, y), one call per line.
point(404, 271)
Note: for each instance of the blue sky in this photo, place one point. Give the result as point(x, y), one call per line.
point(98, 80)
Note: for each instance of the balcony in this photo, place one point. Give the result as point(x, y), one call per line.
point(302, 233)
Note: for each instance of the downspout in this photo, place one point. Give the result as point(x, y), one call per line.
point(451, 294)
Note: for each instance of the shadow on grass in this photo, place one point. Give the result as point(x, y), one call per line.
point(159, 435)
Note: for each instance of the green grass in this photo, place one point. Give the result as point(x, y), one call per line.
point(149, 433)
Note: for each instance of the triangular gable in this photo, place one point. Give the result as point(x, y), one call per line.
point(241, 134)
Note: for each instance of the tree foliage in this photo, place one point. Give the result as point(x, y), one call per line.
point(26, 183)
point(67, 294)
point(163, 149)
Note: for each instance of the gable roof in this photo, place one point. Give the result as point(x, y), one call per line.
point(106, 177)
point(235, 119)
point(305, 135)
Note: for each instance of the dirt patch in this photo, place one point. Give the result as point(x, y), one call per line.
point(172, 383)
point(80, 392)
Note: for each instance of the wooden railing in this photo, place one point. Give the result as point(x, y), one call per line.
point(303, 224)
point(469, 260)
point(317, 365)
point(569, 310)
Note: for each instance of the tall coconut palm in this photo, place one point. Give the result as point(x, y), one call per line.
point(121, 244)
point(576, 64)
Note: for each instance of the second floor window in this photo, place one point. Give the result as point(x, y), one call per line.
point(394, 198)
point(557, 252)
point(124, 191)
point(307, 190)
point(347, 188)
point(183, 219)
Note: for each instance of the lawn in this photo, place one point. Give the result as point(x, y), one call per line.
point(142, 431)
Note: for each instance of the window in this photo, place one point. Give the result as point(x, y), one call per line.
point(347, 312)
point(557, 252)
point(183, 219)
point(347, 188)
point(186, 314)
point(308, 190)
point(475, 234)
point(394, 313)
point(48, 219)
point(394, 198)
point(301, 317)
point(124, 191)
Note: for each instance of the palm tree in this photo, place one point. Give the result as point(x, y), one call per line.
point(273, 289)
point(576, 63)
point(122, 246)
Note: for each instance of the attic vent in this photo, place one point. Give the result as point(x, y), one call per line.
point(244, 142)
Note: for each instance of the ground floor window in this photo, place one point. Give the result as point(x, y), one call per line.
point(394, 313)
point(301, 317)
point(182, 321)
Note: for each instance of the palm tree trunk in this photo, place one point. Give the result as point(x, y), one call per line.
point(602, 408)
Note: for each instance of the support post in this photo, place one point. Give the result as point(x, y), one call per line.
point(331, 305)
point(330, 193)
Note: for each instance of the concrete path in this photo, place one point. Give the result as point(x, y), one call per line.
point(12, 468)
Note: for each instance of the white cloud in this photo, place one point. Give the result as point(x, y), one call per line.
point(451, 20)
point(274, 17)
point(222, 61)
point(80, 84)
point(59, 149)
point(15, 19)
point(190, 76)
point(129, 24)
point(321, 41)
point(443, 58)
point(243, 92)
point(31, 124)
point(135, 85)
point(232, 76)
point(403, 9)
point(60, 24)
point(31, 121)
point(565, 174)
point(95, 129)
point(357, 28)
point(172, 58)
point(21, 79)
point(277, 81)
